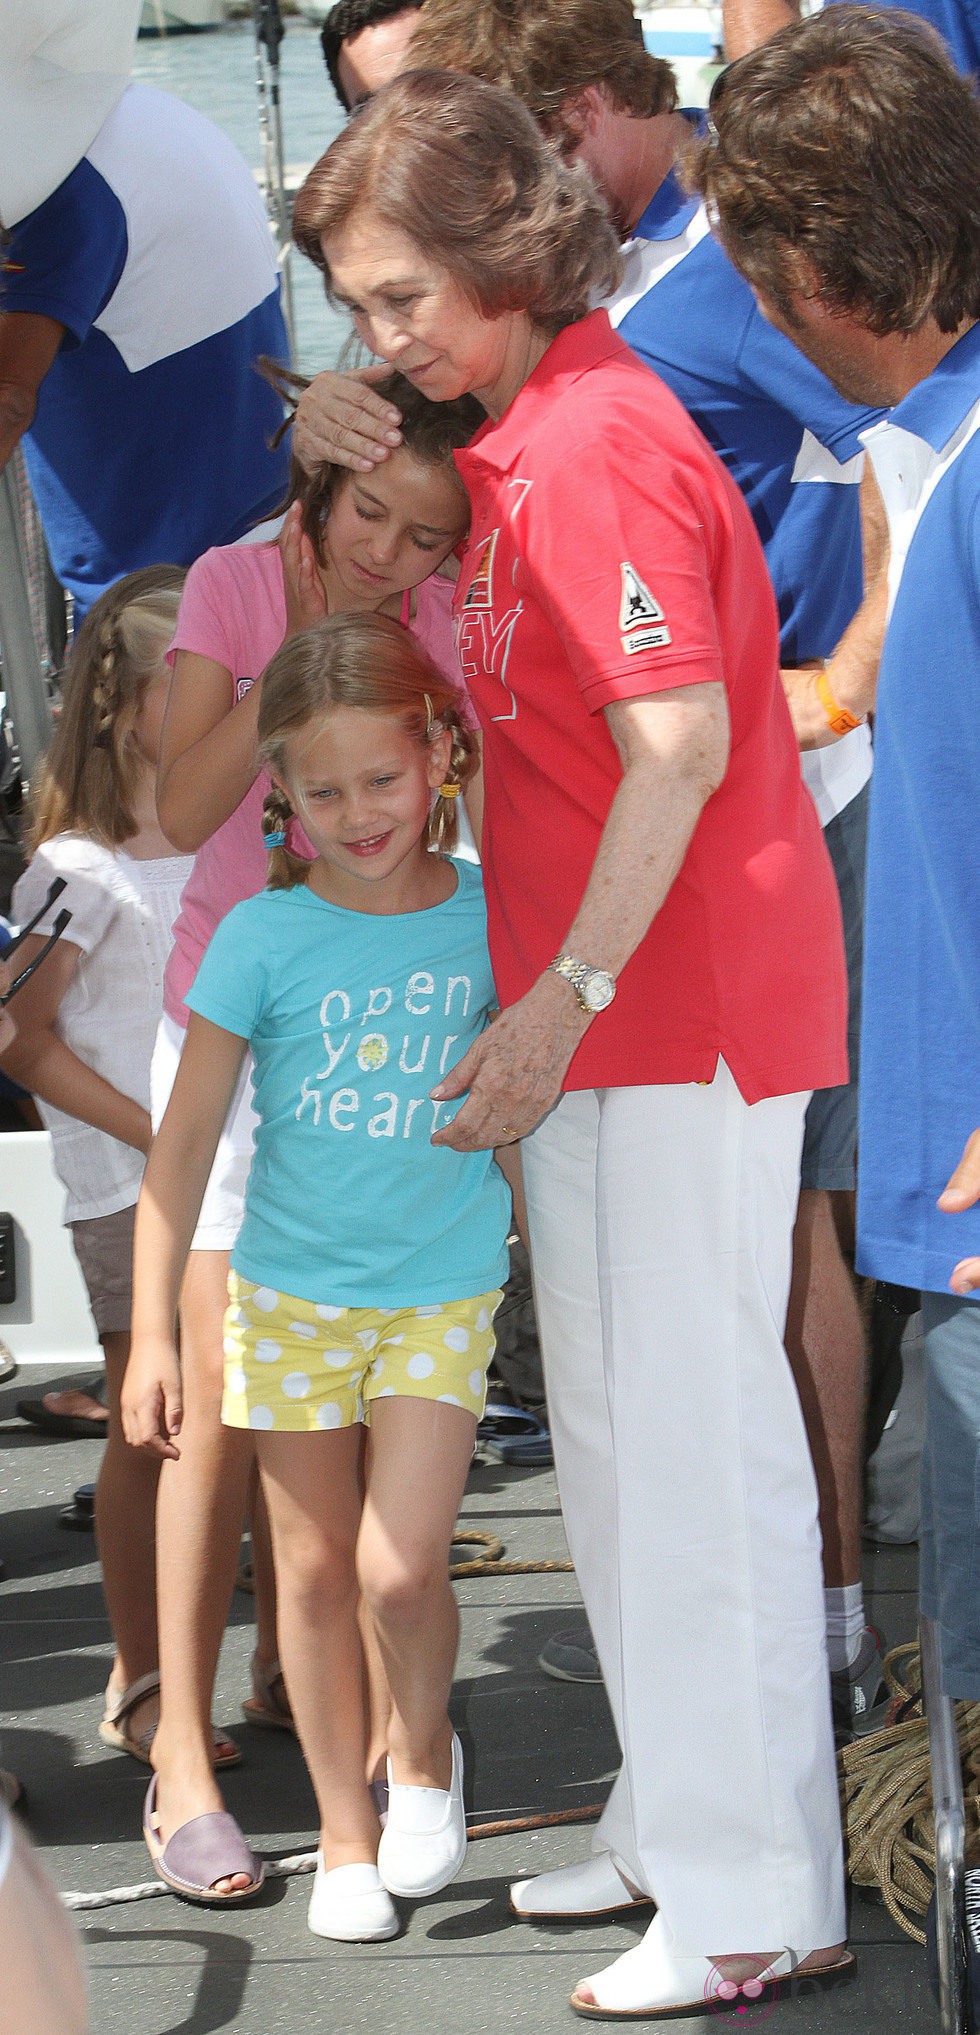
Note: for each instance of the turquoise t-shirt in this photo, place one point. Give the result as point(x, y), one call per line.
point(352, 1018)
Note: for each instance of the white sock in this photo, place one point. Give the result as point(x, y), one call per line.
point(845, 1625)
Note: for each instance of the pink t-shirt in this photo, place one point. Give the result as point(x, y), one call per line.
point(233, 611)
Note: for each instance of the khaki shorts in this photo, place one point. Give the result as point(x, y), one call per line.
point(103, 1245)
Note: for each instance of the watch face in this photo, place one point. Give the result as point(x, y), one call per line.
point(599, 990)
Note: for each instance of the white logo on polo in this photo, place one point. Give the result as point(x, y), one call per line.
point(646, 639)
point(638, 608)
point(637, 604)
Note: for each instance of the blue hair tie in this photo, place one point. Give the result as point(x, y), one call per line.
point(276, 840)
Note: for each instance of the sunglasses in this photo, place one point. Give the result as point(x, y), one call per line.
point(63, 919)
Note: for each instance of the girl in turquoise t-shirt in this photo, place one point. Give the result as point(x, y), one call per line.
point(369, 1266)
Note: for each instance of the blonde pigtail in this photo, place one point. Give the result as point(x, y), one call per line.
point(105, 690)
point(285, 869)
point(444, 817)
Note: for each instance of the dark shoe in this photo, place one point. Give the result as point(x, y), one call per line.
point(67, 1426)
point(514, 1435)
point(862, 1700)
point(571, 1656)
point(79, 1516)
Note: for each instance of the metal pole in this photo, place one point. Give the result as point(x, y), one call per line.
point(950, 1825)
point(23, 678)
point(269, 32)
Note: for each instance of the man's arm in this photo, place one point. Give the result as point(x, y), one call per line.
point(746, 23)
point(28, 344)
point(852, 671)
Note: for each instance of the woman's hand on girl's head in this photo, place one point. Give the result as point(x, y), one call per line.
point(152, 1404)
point(340, 421)
point(306, 601)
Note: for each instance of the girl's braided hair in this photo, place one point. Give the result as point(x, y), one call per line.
point(87, 779)
point(365, 661)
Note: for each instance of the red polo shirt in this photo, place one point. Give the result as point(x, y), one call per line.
point(610, 557)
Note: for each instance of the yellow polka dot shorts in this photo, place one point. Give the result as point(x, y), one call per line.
point(296, 1366)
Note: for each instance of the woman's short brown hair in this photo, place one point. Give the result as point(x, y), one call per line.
point(548, 52)
point(460, 168)
point(847, 150)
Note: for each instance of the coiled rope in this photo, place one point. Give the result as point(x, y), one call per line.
point(491, 1561)
point(886, 1797)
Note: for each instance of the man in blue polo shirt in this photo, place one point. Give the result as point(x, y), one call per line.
point(749, 22)
point(133, 303)
point(794, 447)
point(846, 182)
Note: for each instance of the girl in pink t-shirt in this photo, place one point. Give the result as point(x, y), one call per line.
point(351, 543)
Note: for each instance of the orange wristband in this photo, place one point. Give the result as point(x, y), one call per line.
point(838, 717)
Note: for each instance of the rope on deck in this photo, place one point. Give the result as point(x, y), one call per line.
point(489, 1563)
point(305, 1861)
point(886, 1797)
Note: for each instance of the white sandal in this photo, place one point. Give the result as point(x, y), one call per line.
point(593, 1887)
point(658, 1981)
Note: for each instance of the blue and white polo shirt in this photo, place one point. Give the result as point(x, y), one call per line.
point(150, 441)
point(920, 1041)
point(958, 22)
point(789, 440)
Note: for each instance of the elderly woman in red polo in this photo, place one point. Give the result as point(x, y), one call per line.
point(667, 950)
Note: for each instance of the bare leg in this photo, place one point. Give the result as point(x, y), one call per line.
point(263, 1573)
point(420, 1453)
point(379, 1696)
point(825, 1346)
point(312, 1484)
point(125, 1529)
point(200, 1511)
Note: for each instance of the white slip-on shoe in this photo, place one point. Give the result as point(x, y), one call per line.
point(423, 1843)
point(593, 1887)
point(351, 1905)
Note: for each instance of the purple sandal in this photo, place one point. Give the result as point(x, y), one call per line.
point(206, 1849)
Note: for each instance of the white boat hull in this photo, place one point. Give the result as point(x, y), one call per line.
point(176, 17)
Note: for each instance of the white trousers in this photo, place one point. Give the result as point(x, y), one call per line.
point(661, 1229)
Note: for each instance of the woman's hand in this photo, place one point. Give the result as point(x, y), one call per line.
point(962, 1191)
point(515, 1069)
point(152, 1398)
point(341, 422)
point(306, 601)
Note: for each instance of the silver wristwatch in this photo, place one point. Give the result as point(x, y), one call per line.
point(593, 987)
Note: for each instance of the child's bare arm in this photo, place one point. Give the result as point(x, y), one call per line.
point(208, 753)
point(170, 1200)
point(45, 1065)
point(508, 1158)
